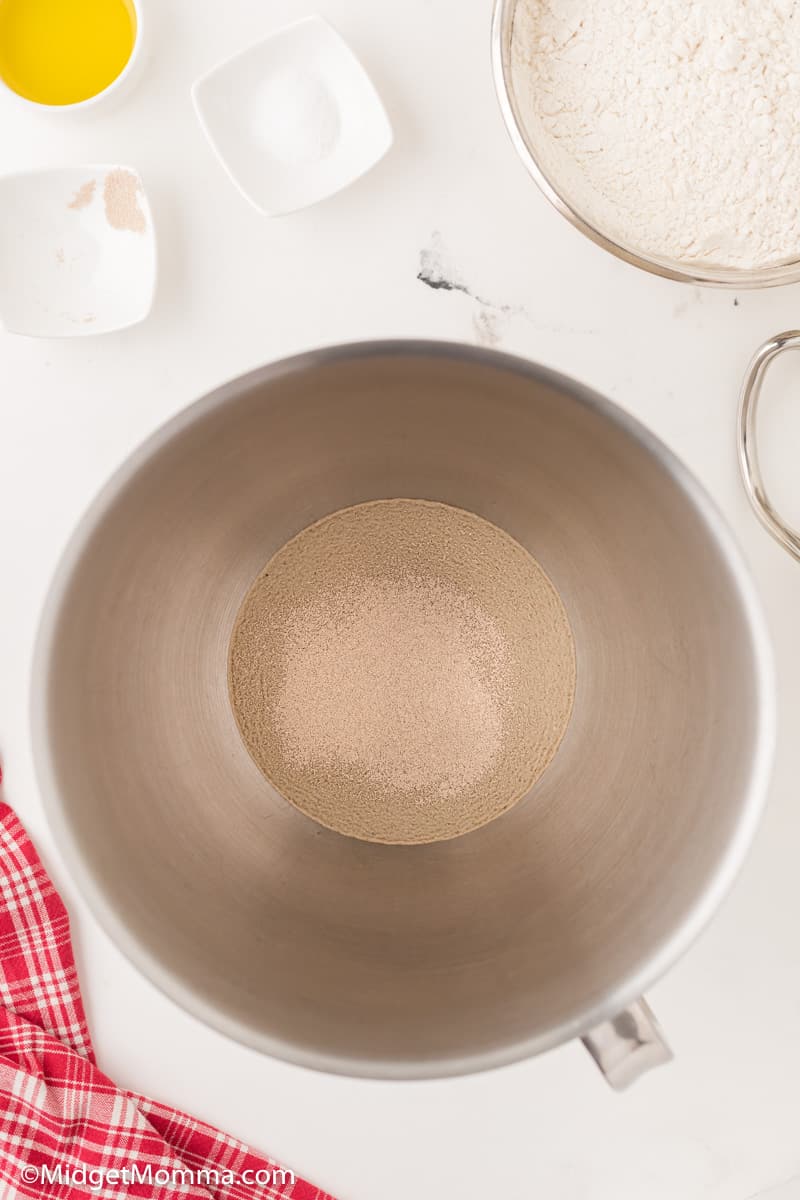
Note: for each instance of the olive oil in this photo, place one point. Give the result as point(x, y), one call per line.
point(64, 51)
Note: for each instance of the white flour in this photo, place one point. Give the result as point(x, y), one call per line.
point(672, 125)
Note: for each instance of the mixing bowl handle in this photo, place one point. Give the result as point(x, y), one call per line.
point(788, 537)
point(628, 1045)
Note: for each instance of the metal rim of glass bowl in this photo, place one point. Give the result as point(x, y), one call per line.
point(725, 277)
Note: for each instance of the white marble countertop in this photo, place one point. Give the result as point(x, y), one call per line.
point(237, 290)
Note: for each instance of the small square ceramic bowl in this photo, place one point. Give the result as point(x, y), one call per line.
point(294, 118)
point(77, 251)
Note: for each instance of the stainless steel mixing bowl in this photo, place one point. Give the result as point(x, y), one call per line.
point(525, 145)
point(426, 960)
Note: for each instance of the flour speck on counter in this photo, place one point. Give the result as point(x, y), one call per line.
point(673, 126)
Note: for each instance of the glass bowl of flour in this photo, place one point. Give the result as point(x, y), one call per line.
point(668, 132)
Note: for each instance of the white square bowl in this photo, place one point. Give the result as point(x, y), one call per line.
point(294, 118)
point(77, 251)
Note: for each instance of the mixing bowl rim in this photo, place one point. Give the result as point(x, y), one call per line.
point(651, 966)
point(739, 278)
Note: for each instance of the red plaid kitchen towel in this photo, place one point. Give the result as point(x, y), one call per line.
point(65, 1130)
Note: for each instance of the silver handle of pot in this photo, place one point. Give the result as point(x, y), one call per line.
point(766, 512)
point(628, 1045)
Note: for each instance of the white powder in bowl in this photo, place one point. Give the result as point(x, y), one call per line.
point(672, 126)
point(295, 118)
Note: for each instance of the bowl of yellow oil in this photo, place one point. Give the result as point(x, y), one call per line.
point(67, 53)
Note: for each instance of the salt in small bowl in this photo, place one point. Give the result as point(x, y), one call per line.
point(294, 118)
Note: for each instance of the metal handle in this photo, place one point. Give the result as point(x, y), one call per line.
point(788, 537)
point(628, 1045)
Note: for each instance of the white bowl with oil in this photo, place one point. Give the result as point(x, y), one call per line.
point(67, 55)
